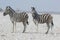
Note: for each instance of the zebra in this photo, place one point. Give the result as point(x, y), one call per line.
point(16, 17)
point(43, 18)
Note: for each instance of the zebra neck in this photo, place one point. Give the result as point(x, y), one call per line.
point(12, 10)
point(11, 14)
point(35, 14)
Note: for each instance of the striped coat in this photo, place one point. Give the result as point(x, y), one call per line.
point(16, 17)
point(43, 18)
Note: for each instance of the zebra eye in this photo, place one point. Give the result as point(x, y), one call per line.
point(7, 10)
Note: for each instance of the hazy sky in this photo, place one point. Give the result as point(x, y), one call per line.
point(25, 5)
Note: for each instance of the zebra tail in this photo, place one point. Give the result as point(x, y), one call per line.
point(27, 22)
point(52, 23)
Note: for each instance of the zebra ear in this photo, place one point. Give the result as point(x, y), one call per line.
point(8, 7)
point(33, 8)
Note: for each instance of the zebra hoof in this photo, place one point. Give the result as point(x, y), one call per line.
point(12, 32)
point(46, 33)
point(23, 32)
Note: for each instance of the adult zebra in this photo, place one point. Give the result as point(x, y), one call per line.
point(43, 18)
point(16, 17)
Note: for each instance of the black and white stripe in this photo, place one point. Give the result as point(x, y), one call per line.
point(43, 18)
point(16, 17)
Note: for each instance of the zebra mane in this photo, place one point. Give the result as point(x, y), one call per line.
point(35, 12)
point(10, 9)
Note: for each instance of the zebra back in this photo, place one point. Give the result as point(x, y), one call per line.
point(45, 18)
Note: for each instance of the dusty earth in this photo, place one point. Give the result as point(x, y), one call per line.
point(30, 33)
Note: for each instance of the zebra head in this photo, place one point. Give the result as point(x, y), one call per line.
point(8, 10)
point(33, 8)
point(34, 12)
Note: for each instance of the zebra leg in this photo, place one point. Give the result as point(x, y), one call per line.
point(36, 23)
point(24, 23)
point(13, 26)
point(37, 26)
point(48, 28)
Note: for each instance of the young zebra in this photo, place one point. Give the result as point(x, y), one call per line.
point(16, 17)
point(43, 18)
